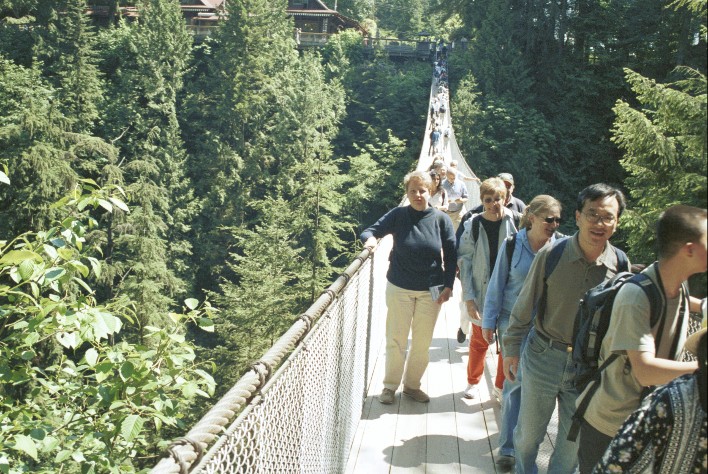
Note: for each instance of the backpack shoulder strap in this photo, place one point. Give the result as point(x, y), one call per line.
point(552, 260)
point(554, 256)
point(656, 299)
point(510, 246)
point(594, 384)
point(622, 260)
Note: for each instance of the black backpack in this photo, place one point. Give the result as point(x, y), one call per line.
point(591, 324)
point(593, 319)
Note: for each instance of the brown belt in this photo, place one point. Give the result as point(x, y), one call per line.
point(561, 346)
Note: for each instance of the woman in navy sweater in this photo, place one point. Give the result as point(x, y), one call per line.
point(420, 278)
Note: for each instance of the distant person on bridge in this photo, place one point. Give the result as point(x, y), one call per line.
point(457, 197)
point(434, 141)
point(438, 195)
point(538, 227)
point(477, 251)
point(420, 278)
point(512, 202)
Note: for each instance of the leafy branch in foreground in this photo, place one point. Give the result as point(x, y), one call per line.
point(76, 394)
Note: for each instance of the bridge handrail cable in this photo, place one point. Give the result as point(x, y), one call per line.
point(283, 417)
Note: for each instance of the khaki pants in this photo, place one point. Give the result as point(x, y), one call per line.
point(456, 217)
point(412, 312)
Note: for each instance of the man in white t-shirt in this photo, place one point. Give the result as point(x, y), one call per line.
point(681, 238)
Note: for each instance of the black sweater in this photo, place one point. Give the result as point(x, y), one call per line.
point(418, 238)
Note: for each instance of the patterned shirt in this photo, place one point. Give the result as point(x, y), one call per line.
point(666, 435)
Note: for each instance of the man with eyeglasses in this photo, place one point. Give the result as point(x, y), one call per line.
point(587, 259)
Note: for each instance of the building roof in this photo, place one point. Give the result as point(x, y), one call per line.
point(321, 10)
point(203, 3)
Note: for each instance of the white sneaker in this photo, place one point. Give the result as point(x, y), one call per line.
point(469, 391)
point(498, 394)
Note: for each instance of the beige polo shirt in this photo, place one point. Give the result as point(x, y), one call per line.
point(567, 284)
point(630, 330)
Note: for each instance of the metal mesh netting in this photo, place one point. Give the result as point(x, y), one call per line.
point(306, 416)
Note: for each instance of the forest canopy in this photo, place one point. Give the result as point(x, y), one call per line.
point(150, 181)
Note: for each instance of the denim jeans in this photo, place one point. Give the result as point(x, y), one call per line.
point(511, 399)
point(547, 377)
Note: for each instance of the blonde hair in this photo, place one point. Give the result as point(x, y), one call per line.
point(541, 204)
point(492, 186)
point(422, 176)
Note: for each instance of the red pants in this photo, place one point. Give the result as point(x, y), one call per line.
point(475, 364)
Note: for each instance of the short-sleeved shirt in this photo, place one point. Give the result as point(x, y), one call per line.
point(620, 393)
point(455, 191)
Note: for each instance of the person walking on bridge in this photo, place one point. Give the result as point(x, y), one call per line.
point(420, 278)
point(575, 264)
point(539, 226)
point(434, 141)
point(477, 251)
point(457, 197)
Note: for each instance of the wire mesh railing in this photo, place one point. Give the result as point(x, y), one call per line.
point(302, 417)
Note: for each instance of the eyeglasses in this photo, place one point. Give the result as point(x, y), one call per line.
point(594, 218)
point(551, 220)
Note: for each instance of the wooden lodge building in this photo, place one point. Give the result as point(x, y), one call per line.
point(314, 21)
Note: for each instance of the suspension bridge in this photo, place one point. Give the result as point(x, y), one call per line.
point(309, 404)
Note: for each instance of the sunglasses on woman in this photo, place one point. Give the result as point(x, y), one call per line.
point(551, 220)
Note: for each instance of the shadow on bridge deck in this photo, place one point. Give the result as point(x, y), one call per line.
point(450, 434)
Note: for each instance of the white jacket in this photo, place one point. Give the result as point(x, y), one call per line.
point(473, 259)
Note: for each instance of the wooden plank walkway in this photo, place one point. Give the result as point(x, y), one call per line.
point(450, 434)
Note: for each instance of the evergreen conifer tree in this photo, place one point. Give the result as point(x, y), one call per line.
point(66, 48)
point(32, 145)
point(149, 248)
point(665, 152)
point(240, 96)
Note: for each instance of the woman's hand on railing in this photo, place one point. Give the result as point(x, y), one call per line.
point(370, 243)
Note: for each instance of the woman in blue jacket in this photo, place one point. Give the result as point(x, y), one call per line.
point(538, 227)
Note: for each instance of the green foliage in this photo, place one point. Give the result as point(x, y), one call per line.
point(664, 143)
point(356, 9)
point(272, 285)
point(404, 18)
point(503, 136)
point(66, 48)
point(32, 144)
point(74, 390)
point(149, 249)
point(239, 128)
